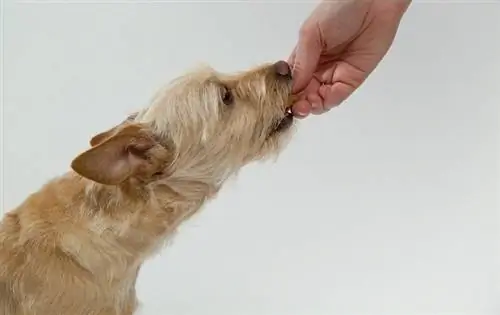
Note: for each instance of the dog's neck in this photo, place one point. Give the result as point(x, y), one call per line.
point(125, 222)
point(147, 212)
point(109, 230)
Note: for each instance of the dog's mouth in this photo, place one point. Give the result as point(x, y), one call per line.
point(284, 123)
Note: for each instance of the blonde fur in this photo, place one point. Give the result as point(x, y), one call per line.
point(75, 246)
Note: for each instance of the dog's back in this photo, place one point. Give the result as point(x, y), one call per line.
point(9, 232)
point(39, 275)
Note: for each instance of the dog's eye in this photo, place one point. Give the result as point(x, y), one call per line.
point(227, 96)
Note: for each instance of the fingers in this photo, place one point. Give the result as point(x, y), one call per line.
point(305, 58)
point(301, 109)
point(333, 95)
point(312, 104)
point(322, 98)
point(317, 103)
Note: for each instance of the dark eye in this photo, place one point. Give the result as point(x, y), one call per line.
point(227, 96)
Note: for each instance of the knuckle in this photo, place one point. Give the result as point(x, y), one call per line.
point(307, 31)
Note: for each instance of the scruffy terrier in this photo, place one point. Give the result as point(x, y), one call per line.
point(75, 246)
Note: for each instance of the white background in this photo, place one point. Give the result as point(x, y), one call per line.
point(386, 205)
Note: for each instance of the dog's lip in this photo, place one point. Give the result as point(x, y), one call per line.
point(285, 122)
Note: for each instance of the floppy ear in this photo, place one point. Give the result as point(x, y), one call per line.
point(128, 150)
point(100, 137)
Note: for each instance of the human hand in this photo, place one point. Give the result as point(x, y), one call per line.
point(339, 45)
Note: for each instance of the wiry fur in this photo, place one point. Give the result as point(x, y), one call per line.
point(75, 246)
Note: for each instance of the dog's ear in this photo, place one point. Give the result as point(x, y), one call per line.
point(128, 150)
point(100, 137)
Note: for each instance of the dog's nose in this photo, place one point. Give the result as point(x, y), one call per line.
point(283, 69)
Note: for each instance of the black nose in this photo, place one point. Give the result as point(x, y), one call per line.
point(283, 69)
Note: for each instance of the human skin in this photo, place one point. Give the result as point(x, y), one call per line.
point(339, 46)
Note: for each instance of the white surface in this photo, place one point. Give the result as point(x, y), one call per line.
point(387, 205)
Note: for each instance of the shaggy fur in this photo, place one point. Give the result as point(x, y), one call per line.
point(75, 246)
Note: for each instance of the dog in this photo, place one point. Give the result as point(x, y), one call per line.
point(75, 246)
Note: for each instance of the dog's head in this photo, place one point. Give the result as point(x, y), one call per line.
point(203, 126)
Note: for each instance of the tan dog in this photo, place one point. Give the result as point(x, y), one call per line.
point(75, 246)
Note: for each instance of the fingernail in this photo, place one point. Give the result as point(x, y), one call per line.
point(301, 114)
point(316, 108)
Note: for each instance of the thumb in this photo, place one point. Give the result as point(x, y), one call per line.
point(304, 59)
